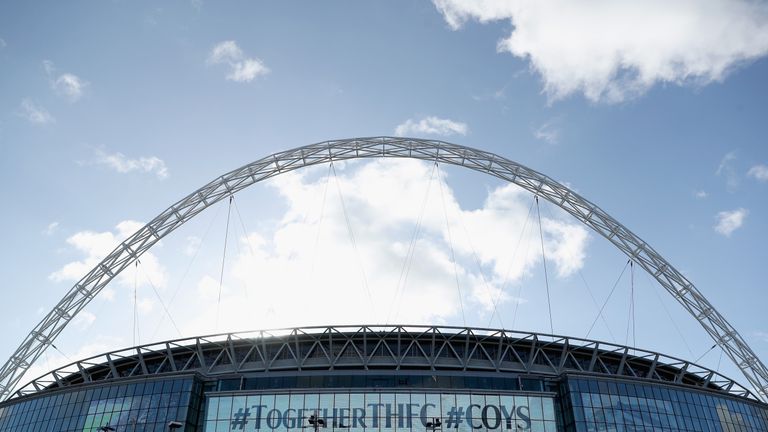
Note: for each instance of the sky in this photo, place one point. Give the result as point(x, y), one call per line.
point(654, 110)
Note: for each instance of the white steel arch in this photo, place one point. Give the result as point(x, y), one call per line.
point(220, 188)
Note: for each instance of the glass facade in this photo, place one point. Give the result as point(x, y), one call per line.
point(613, 405)
point(383, 402)
point(379, 411)
point(142, 406)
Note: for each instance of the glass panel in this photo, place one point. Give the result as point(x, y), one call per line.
point(387, 413)
point(225, 407)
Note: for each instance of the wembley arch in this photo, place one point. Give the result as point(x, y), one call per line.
point(127, 252)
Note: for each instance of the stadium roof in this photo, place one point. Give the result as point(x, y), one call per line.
point(381, 348)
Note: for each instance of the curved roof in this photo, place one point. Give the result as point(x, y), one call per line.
point(381, 348)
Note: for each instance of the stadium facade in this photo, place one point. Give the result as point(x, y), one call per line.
point(384, 378)
point(387, 379)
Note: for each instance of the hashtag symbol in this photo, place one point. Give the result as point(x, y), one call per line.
point(455, 416)
point(240, 418)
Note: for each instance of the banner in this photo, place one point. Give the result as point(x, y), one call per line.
point(380, 411)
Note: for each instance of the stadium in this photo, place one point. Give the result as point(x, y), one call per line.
point(384, 377)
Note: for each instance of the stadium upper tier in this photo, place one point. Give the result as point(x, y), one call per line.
point(296, 352)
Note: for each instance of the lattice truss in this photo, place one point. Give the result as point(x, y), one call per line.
point(393, 348)
point(539, 184)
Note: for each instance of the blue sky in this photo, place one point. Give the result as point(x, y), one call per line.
point(111, 111)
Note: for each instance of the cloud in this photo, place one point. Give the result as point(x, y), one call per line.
point(192, 246)
point(307, 268)
point(123, 165)
point(727, 169)
point(94, 246)
point(68, 85)
point(611, 51)
point(2, 43)
point(51, 228)
point(730, 221)
point(145, 305)
point(34, 113)
point(242, 68)
point(759, 172)
point(83, 320)
point(548, 132)
point(700, 194)
point(763, 336)
point(431, 125)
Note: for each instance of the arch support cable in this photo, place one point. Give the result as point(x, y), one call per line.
point(677, 285)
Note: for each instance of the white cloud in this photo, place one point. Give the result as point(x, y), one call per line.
point(66, 84)
point(548, 132)
point(700, 194)
point(94, 246)
point(730, 221)
point(83, 320)
point(727, 169)
point(70, 86)
point(611, 50)
point(122, 164)
point(107, 294)
point(431, 125)
point(297, 281)
point(759, 172)
point(35, 113)
point(192, 246)
point(242, 68)
point(51, 228)
point(145, 305)
point(2, 43)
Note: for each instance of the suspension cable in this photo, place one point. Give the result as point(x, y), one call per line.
point(159, 298)
point(615, 284)
point(634, 303)
point(247, 239)
point(544, 260)
point(589, 290)
point(594, 302)
point(719, 360)
point(525, 260)
point(135, 304)
point(61, 352)
point(313, 260)
point(480, 268)
point(654, 289)
point(509, 269)
point(631, 313)
point(705, 353)
point(405, 270)
point(223, 259)
point(354, 242)
point(189, 267)
point(453, 254)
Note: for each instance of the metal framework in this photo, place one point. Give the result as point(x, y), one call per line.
point(341, 349)
point(539, 184)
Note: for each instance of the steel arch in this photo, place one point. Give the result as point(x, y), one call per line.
point(588, 213)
